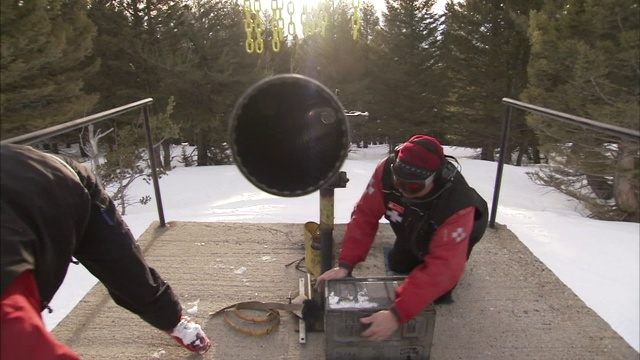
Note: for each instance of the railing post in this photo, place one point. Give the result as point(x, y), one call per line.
point(506, 123)
point(327, 218)
point(152, 162)
point(326, 228)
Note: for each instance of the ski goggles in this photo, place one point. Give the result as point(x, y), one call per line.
point(412, 187)
point(410, 182)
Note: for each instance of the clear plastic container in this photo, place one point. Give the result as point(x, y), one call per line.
point(348, 300)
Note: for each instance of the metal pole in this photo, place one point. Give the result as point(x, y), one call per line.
point(503, 150)
point(326, 228)
point(152, 161)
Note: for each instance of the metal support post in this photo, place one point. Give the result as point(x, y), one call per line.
point(152, 162)
point(503, 149)
point(326, 228)
point(326, 219)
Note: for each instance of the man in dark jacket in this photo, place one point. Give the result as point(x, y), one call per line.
point(53, 209)
point(437, 219)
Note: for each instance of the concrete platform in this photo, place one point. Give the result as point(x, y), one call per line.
point(508, 304)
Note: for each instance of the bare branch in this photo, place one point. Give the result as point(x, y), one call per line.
point(600, 93)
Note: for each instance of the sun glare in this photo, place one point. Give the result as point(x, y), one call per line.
point(299, 18)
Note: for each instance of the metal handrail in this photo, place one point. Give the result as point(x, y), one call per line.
point(617, 131)
point(40, 135)
point(43, 134)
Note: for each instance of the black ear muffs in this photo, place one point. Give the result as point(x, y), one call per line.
point(449, 169)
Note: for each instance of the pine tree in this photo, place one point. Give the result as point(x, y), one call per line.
point(332, 56)
point(358, 94)
point(216, 71)
point(127, 36)
point(128, 45)
point(408, 87)
point(486, 52)
point(585, 62)
point(117, 80)
point(43, 62)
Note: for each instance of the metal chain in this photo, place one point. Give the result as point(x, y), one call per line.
point(291, 27)
point(248, 27)
point(314, 21)
point(276, 28)
point(281, 22)
point(306, 19)
point(323, 19)
point(258, 28)
point(355, 19)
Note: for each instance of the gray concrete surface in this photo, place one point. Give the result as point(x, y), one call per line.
point(508, 304)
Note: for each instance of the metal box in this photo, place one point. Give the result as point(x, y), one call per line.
point(348, 300)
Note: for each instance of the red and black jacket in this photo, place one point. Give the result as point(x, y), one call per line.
point(438, 229)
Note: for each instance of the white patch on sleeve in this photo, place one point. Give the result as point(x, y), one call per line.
point(394, 216)
point(459, 235)
point(370, 188)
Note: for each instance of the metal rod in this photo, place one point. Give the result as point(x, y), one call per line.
point(302, 327)
point(326, 228)
point(40, 135)
point(506, 123)
point(152, 162)
point(620, 132)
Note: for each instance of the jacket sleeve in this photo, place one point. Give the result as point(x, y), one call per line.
point(363, 226)
point(24, 335)
point(442, 268)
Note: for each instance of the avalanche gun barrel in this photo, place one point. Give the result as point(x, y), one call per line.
point(289, 135)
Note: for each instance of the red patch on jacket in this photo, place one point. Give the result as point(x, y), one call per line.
point(393, 206)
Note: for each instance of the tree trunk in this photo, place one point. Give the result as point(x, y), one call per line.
point(600, 186)
point(123, 205)
point(487, 154)
point(392, 146)
point(537, 159)
point(625, 187)
point(522, 150)
point(203, 158)
point(166, 154)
